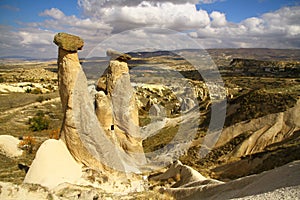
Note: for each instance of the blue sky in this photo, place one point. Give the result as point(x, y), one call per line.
point(15, 11)
point(238, 10)
point(28, 26)
point(25, 11)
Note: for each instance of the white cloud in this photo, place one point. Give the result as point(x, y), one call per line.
point(54, 13)
point(60, 20)
point(218, 19)
point(166, 15)
point(31, 38)
point(90, 6)
point(30, 42)
point(278, 29)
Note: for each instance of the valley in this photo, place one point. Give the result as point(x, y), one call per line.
point(255, 92)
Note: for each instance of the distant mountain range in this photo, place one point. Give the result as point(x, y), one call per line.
point(25, 58)
point(262, 53)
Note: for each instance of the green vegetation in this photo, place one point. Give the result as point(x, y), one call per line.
point(39, 122)
point(160, 140)
point(259, 103)
point(40, 99)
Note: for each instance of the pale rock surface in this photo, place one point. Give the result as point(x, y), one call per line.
point(69, 74)
point(115, 55)
point(23, 86)
point(9, 191)
point(187, 104)
point(267, 184)
point(264, 131)
point(116, 108)
point(53, 165)
point(9, 146)
point(185, 173)
point(90, 137)
point(101, 139)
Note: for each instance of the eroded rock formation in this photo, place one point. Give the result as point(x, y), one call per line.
point(99, 131)
point(114, 138)
point(117, 110)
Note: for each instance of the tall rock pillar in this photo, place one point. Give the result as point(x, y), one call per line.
point(69, 69)
point(101, 132)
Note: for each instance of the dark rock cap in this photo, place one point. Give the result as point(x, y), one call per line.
point(68, 42)
point(115, 55)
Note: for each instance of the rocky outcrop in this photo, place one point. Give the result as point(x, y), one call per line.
point(263, 131)
point(279, 183)
point(117, 110)
point(261, 184)
point(183, 173)
point(100, 132)
point(68, 42)
point(68, 74)
point(115, 55)
point(112, 135)
point(9, 146)
point(53, 165)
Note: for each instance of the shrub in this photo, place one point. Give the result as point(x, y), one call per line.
point(37, 91)
point(28, 90)
point(39, 122)
point(40, 99)
point(54, 134)
point(27, 143)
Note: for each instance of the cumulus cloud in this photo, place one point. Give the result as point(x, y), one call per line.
point(218, 19)
point(166, 15)
point(28, 42)
point(92, 5)
point(278, 29)
point(91, 30)
point(59, 19)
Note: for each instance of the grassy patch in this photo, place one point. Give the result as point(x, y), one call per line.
point(160, 140)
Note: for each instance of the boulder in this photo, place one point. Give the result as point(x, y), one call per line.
point(184, 173)
point(68, 42)
point(9, 146)
point(53, 165)
point(115, 55)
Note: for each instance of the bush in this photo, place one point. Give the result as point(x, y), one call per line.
point(28, 90)
point(37, 91)
point(39, 122)
point(40, 99)
point(54, 134)
point(27, 143)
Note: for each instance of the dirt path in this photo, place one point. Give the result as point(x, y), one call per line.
point(14, 110)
